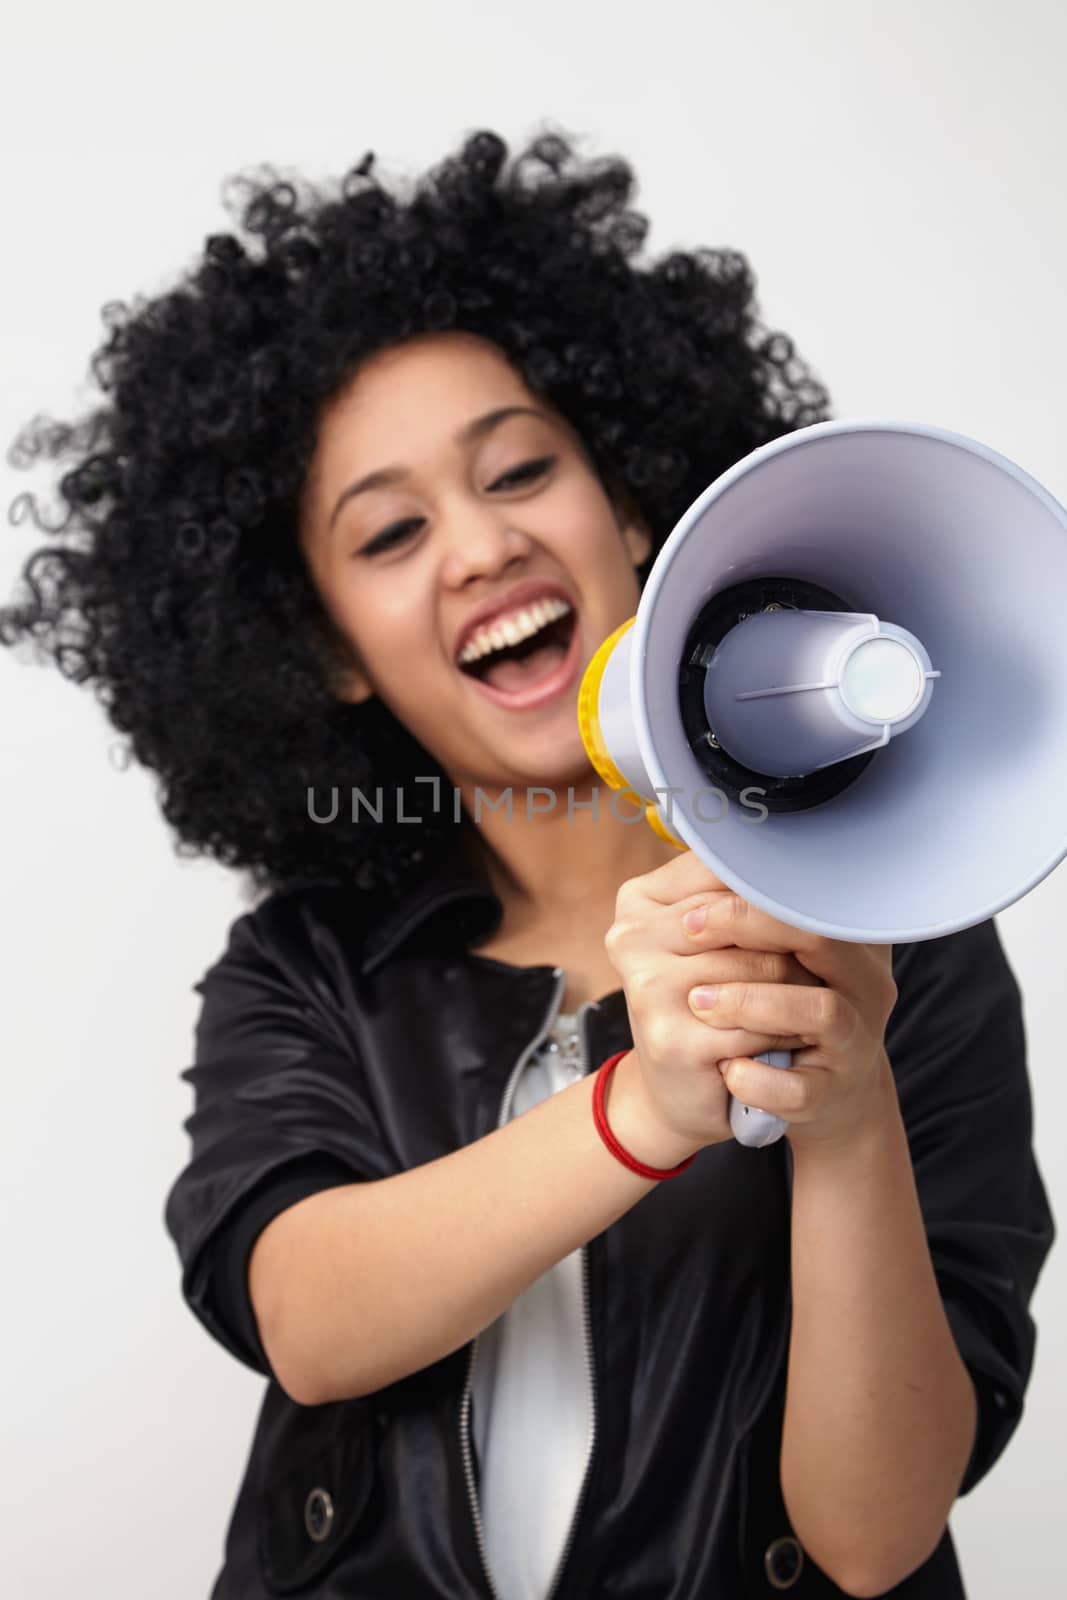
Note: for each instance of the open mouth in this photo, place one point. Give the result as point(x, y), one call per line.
point(513, 668)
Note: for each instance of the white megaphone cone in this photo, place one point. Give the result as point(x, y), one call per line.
point(845, 687)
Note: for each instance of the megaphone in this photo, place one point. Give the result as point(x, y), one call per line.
point(845, 687)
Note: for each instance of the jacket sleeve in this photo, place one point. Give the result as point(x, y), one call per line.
point(957, 1046)
point(280, 1112)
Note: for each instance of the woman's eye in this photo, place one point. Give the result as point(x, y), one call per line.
point(526, 473)
point(397, 532)
point(390, 536)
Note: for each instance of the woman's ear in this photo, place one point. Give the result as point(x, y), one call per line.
point(638, 542)
point(349, 682)
point(635, 531)
point(345, 676)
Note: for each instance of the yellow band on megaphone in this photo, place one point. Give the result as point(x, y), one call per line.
point(657, 824)
point(593, 739)
point(589, 711)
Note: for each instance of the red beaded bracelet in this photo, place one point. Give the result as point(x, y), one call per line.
point(601, 1120)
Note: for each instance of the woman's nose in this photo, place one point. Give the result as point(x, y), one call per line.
point(481, 540)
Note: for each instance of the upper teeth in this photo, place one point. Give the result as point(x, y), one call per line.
point(512, 627)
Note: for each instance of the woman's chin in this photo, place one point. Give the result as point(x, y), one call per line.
point(552, 759)
point(554, 755)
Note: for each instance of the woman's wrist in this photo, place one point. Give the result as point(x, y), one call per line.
point(634, 1122)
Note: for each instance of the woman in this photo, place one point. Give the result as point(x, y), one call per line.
point(369, 490)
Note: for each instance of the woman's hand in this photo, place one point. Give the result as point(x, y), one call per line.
point(780, 988)
point(675, 1096)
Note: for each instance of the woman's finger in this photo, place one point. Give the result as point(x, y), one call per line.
point(685, 875)
point(710, 920)
point(817, 1015)
point(796, 1094)
point(718, 961)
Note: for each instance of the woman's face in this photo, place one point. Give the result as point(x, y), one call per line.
point(440, 484)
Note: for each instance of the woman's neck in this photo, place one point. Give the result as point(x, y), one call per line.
point(555, 868)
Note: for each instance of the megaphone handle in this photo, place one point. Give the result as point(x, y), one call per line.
point(759, 1128)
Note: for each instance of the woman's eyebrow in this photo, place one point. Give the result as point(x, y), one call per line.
point(467, 435)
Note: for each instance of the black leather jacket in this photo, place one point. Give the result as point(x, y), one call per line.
point(335, 1045)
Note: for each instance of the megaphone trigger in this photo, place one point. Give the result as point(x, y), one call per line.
point(755, 1128)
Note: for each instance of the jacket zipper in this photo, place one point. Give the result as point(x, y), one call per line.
point(465, 1407)
point(588, 1335)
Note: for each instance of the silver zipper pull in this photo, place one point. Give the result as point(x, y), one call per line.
point(566, 1046)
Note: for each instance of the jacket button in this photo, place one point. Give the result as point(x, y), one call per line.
point(782, 1562)
point(318, 1514)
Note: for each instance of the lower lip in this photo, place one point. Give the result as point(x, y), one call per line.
point(539, 694)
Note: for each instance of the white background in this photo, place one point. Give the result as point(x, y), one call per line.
point(895, 175)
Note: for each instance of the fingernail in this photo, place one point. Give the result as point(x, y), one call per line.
point(705, 996)
point(694, 920)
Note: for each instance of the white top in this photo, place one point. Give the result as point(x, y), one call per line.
point(532, 1414)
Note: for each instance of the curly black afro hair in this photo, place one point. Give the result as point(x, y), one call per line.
point(175, 583)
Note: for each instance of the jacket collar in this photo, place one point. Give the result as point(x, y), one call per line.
point(476, 911)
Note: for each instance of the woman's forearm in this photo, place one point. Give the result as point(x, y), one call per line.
point(365, 1283)
point(880, 1411)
